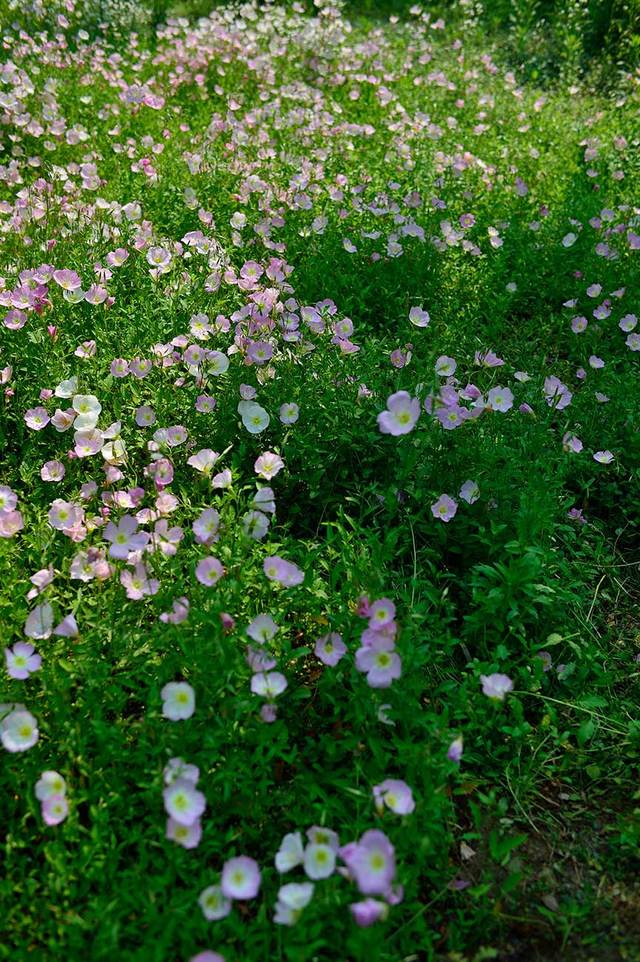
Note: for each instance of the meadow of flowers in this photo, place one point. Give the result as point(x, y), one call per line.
point(319, 492)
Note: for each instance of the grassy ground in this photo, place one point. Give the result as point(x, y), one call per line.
point(368, 168)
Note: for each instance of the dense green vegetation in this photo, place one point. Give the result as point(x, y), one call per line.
point(319, 372)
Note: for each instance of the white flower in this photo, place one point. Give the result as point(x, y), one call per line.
point(290, 853)
point(269, 684)
point(254, 417)
point(67, 388)
point(292, 899)
point(87, 408)
point(178, 700)
point(213, 903)
point(218, 362)
point(19, 731)
point(49, 784)
point(262, 628)
point(319, 860)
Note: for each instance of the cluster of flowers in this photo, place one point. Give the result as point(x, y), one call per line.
point(377, 656)
point(183, 803)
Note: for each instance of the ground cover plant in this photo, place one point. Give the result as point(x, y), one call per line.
point(319, 489)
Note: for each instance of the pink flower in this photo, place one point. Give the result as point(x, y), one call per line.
point(396, 795)
point(500, 399)
point(419, 317)
point(22, 660)
point(268, 465)
point(209, 571)
point(36, 418)
point(603, 457)
point(183, 802)
point(372, 863)
point(368, 912)
point(240, 878)
point(444, 508)
point(381, 613)
point(380, 662)
point(401, 415)
point(138, 584)
point(188, 836)
point(205, 527)
point(283, 572)
point(55, 809)
point(123, 537)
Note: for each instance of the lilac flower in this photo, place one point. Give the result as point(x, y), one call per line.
point(628, 323)
point(419, 317)
point(488, 359)
point(603, 457)
point(401, 415)
point(283, 572)
point(268, 465)
point(21, 660)
point(579, 325)
point(368, 912)
point(632, 341)
point(445, 366)
point(291, 852)
point(207, 956)
point(496, 686)
point(292, 899)
point(330, 649)
point(123, 537)
point(138, 584)
point(19, 730)
point(596, 362)
point(240, 878)
point(372, 863)
point(381, 613)
point(55, 809)
point(572, 443)
point(209, 571)
point(183, 802)
point(319, 860)
point(268, 684)
point(396, 795)
point(500, 399)
point(63, 515)
point(444, 508)
point(52, 471)
point(178, 700)
point(188, 836)
point(380, 662)
point(214, 904)
point(556, 393)
point(454, 752)
point(205, 527)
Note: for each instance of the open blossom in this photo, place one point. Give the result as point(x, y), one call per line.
point(445, 366)
point(123, 537)
point(178, 700)
point(205, 527)
point(603, 457)
point(87, 408)
point(240, 878)
point(380, 662)
point(254, 417)
point(381, 613)
point(209, 571)
point(19, 730)
point(49, 785)
point(214, 904)
point(21, 660)
point(372, 863)
point(500, 399)
point(319, 860)
point(401, 415)
point(268, 465)
point(395, 795)
point(496, 686)
point(330, 649)
point(55, 809)
point(283, 572)
point(138, 584)
point(419, 317)
point(36, 418)
point(444, 508)
point(289, 413)
point(188, 836)
point(183, 802)
point(177, 768)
